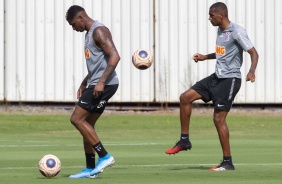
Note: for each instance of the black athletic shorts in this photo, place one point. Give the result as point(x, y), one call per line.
point(96, 104)
point(221, 91)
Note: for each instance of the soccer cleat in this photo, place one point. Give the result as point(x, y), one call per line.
point(85, 173)
point(179, 146)
point(223, 166)
point(102, 164)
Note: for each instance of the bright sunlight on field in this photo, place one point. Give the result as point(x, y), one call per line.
point(138, 142)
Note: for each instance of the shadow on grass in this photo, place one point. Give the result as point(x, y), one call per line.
point(190, 168)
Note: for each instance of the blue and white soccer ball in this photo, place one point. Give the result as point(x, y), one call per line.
point(142, 59)
point(49, 166)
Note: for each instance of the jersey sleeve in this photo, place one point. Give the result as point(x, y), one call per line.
point(240, 35)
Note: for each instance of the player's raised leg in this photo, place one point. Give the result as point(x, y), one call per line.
point(186, 100)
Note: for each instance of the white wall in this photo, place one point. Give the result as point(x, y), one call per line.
point(44, 56)
point(2, 56)
point(183, 29)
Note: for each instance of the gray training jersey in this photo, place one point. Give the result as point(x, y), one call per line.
point(230, 44)
point(96, 60)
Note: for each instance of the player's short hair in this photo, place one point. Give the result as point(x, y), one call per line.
point(220, 7)
point(72, 11)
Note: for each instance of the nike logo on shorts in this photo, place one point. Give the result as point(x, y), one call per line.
point(83, 102)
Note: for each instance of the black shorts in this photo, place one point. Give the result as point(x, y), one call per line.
point(221, 91)
point(96, 104)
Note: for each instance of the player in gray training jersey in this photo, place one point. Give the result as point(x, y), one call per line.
point(220, 87)
point(230, 44)
point(95, 90)
point(96, 59)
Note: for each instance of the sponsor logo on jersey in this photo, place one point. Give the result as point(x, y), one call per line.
point(220, 50)
point(87, 54)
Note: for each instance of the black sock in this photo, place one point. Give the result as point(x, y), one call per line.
point(100, 150)
point(90, 160)
point(227, 159)
point(184, 137)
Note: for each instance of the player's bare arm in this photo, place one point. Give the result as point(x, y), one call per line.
point(199, 57)
point(82, 87)
point(254, 59)
point(103, 39)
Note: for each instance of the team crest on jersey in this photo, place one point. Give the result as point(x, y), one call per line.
point(227, 36)
point(87, 40)
point(87, 54)
point(88, 37)
point(220, 50)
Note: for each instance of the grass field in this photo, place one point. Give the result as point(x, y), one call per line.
point(138, 142)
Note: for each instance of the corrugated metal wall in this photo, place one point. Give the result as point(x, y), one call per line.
point(182, 29)
point(43, 56)
point(2, 49)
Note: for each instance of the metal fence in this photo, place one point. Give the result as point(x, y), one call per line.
point(41, 57)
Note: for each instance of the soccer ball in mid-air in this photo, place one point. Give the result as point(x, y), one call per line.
point(49, 165)
point(142, 59)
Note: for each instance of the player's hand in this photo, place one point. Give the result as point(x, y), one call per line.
point(199, 57)
point(98, 89)
point(80, 91)
point(251, 77)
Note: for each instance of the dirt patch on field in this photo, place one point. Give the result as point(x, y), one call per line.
point(198, 111)
point(31, 109)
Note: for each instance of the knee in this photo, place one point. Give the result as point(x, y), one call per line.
point(215, 120)
point(219, 117)
point(74, 121)
point(218, 121)
point(183, 100)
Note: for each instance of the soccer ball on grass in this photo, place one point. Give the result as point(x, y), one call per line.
point(49, 166)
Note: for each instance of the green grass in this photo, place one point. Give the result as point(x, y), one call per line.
point(138, 143)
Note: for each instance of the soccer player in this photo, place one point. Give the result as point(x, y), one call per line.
point(222, 86)
point(95, 90)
